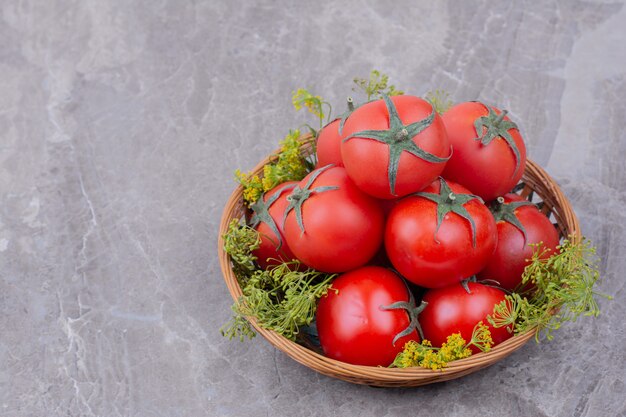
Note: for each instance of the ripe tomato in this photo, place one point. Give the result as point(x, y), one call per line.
point(394, 146)
point(440, 236)
point(330, 224)
point(367, 317)
point(489, 155)
point(329, 145)
point(268, 221)
point(452, 310)
point(519, 224)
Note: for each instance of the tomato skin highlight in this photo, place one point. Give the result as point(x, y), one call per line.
point(367, 160)
point(328, 146)
point(486, 170)
point(452, 310)
point(351, 325)
point(434, 260)
point(343, 227)
point(269, 254)
point(507, 264)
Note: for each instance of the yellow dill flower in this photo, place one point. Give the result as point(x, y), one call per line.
point(301, 97)
point(268, 177)
point(481, 337)
point(457, 346)
point(252, 186)
point(433, 360)
point(411, 355)
point(453, 348)
point(429, 357)
point(406, 361)
point(287, 165)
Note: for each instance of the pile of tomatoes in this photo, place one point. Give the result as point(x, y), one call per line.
point(406, 201)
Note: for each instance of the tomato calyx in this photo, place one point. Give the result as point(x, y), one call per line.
point(261, 212)
point(506, 212)
point(413, 311)
point(487, 282)
point(492, 126)
point(447, 201)
point(299, 195)
point(399, 138)
point(465, 283)
point(344, 116)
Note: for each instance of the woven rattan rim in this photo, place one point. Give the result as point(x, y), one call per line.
point(537, 181)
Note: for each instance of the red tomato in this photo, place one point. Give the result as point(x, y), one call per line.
point(394, 146)
point(331, 225)
point(489, 155)
point(268, 220)
point(438, 244)
point(453, 310)
point(329, 145)
point(353, 324)
point(518, 227)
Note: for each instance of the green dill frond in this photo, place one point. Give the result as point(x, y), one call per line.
point(481, 337)
point(376, 85)
point(283, 298)
point(239, 242)
point(314, 104)
point(287, 165)
point(440, 100)
point(238, 326)
point(252, 186)
point(564, 290)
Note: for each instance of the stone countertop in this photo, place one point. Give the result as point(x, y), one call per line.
point(122, 123)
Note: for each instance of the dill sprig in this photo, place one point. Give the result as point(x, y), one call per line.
point(427, 356)
point(287, 165)
point(440, 100)
point(481, 338)
point(314, 104)
point(240, 241)
point(564, 290)
point(376, 85)
point(282, 298)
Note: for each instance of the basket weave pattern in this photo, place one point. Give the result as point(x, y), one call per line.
point(538, 184)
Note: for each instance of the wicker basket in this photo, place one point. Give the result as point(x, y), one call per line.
point(538, 185)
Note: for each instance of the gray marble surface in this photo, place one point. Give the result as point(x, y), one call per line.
point(121, 124)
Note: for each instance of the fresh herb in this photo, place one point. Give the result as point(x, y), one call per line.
point(565, 290)
point(314, 104)
point(239, 243)
point(377, 85)
point(238, 326)
point(481, 337)
point(287, 165)
point(427, 356)
point(282, 298)
point(440, 100)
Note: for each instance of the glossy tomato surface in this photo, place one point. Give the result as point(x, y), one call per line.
point(367, 160)
point(487, 170)
point(453, 310)
point(512, 254)
point(328, 146)
point(351, 324)
point(434, 258)
point(342, 227)
point(273, 248)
